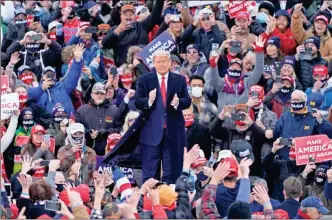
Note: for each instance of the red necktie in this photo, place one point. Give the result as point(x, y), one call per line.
point(163, 90)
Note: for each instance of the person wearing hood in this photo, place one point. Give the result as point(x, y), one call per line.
point(101, 117)
point(16, 29)
point(265, 9)
point(304, 67)
point(195, 61)
point(206, 35)
point(319, 30)
point(77, 149)
point(197, 133)
point(322, 85)
point(34, 54)
point(278, 99)
point(279, 26)
point(316, 188)
point(57, 129)
point(49, 92)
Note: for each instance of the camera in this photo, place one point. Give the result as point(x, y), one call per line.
point(175, 18)
point(91, 30)
point(235, 46)
point(36, 37)
point(238, 116)
point(307, 54)
point(286, 141)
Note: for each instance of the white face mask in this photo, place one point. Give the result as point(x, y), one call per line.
point(196, 91)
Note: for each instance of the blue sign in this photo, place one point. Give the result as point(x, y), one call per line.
point(163, 42)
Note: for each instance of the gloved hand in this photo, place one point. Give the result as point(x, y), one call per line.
point(12, 31)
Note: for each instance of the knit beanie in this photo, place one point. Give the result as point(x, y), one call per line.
point(239, 210)
point(57, 108)
point(313, 40)
point(26, 111)
point(274, 41)
point(289, 60)
point(267, 5)
point(285, 13)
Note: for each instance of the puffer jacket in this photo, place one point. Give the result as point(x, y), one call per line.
point(301, 35)
point(199, 67)
point(254, 135)
point(327, 95)
point(257, 28)
point(183, 208)
point(136, 36)
point(303, 70)
point(202, 38)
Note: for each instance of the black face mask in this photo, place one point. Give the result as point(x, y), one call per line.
point(297, 106)
point(59, 187)
point(27, 122)
point(71, 15)
point(324, 81)
point(319, 180)
point(201, 176)
point(58, 119)
point(235, 74)
point(105, 9)
point(285, 90)
point(78, 140)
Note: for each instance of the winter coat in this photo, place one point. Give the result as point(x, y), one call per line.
point(199, 68)
point(291, 206)
point(254, 135)
point(301, 35)
point(67, 159)
point(44, 117)
point(327, 95)
point(105, 118)
point(287, 40)
point(202, 38)
point(60, 92)
point(273, 101)
point(215, 82)
point(257, 28)
point(58, 135)
point(38, 61)
point(136, 36)
point(303, 70)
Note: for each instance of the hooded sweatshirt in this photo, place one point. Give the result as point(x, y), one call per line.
point(225, 197)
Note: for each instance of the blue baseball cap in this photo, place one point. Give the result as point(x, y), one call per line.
point(314, 202)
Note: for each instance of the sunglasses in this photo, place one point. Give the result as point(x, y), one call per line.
point(99, 93)
point(102, 34)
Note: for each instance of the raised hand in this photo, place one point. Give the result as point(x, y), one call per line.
point(226, 112)
point(78, 52)
point(220, 173)
point(149, 184)
point(259, 42)
point(190, 156)
point(244, 166)
point(26, 164)
point(14, 58)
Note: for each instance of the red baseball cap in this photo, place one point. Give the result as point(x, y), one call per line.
point(37, 128)
point(242, 14)
point(234, 168)
point(290, 79)
point(200, 161)
point(322, 17)
point(320, 70)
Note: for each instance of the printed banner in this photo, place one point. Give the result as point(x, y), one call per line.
point(317, 146)
point(4, 84)
point(101, 167)
point(52, 145)
point(235, 7)
point(22, 140)
point(9, 103)
point(201, 2)
point(162, 42)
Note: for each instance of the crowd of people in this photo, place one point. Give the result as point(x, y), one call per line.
point(99, 134)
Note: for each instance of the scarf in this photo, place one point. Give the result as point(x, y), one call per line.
point(228, 87)
point(303, 215)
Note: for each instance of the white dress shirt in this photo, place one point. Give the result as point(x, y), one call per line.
point(160, 80)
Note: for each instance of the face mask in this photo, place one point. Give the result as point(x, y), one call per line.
point(27, 122)
point(235, 74)
point(32, 47)
point(324, 82)
point(58, 119)
point(196, 91)
point(126, 79)
point(22, 99)
point(27, 78)
point(201, 176)
point(77, 140)
point(189, 121)
point(59, 187)
point(285, 90)
point(52, 35)
point(261, 17)
point(22, 23)
point(297, 106)
point(71, 15)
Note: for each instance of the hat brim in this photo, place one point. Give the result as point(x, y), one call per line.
point(323, 210)
point(250, 156)
point(124, 11)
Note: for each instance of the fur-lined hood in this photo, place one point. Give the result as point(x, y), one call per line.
point(131, 51)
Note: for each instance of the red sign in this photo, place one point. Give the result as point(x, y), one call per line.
point(22, 140)
point(4, 84)
point(317, 146)
point(235, 7)
point(52, 145)
point(109, 62)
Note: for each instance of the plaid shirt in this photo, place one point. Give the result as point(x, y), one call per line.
point(205, 112)
point(96, 214)
point(208, 206)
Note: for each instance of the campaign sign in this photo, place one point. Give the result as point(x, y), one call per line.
point(235, 7)
point(4, 84)
point(22, 140)
point(9, 103)
point(52, 145)
point(201, 2)
point(162, 42)
point(317, 146)
point(101, 167)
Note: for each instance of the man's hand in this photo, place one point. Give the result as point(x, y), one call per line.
point(235, 30)
point(175, 101)
point(276, 146)
point(208, 171)
point(75, 168)
point(130, 94)
point(73, 196)
point(260, 124)
point(123, 26)
point(259, 42)
point(86, 70)
point(252, 101)
point(99, 190)
point(78, 52)
point(14, 58)
point(134, 199)
point(64, 210)
point(225, 44)
point(297, 9)
point(318, 117)
point(269, 134)
point(326, 5)
point(190, 156)
point(154, 196)
point(81, 31)
point(220, 173)
point(244, 166)
point(276, 87)
point(152, 96)
point(271, 24)
point(299, 49)
point(44, 146)
point(310, 167)
point(53, 165)
point(226, 112)
point(25, 181)
point(44, 39)
point(48, 83)
point(329, 175)
point(317, 86)
point(149, 184)
point(260, 194)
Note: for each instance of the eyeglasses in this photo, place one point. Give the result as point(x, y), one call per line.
point(102, 34)
point(99, 93)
